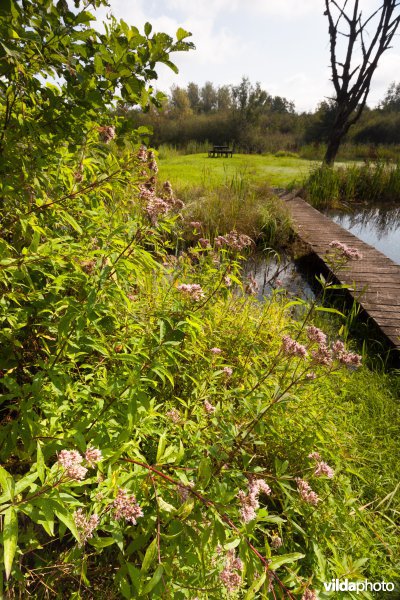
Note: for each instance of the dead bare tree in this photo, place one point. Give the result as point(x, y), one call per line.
point(367, 39)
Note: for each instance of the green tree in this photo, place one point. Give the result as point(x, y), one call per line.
point(391, 101)
point(59, 78)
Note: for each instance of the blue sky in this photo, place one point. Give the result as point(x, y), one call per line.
point(283, 44)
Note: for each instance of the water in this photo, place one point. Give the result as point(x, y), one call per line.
point(378, 226)
point(277, 272)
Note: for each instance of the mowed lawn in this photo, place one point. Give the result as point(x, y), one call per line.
point(199, 170)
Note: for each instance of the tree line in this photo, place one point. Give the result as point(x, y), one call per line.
point(253, 120)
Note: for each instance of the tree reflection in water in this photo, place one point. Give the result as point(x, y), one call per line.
point(378, 226)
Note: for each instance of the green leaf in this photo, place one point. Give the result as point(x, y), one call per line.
point(148, 28)
point(98, 64)
point(8, 485)
point(181, 34)
point(165, 506)
point(154, 580)
point(205, 472)
point(66, 518)
point(10, 538)
point(102, 542)
point(251, 594)
point(150, 556)
point(284, 559)
point(162, 443)
point(40, 464)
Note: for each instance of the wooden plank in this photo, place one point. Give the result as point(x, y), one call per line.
point(374, 280)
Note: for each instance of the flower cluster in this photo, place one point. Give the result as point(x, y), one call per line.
point(192, 291)
point(71, 461)
point(196, 224)
point(92, 456)
point(231, 574)
point(293, 348)
point(107, 133)
point(316, 335)
point(204, 243)
point(250, 501)
point(306, 492)
point(216, 350)
point(173, 415)
point(345, 251)
point(142, 154)
point(309, 595)
point(126, 507)
point(276, 541)
point(322, 355)
point(344, 357)
point(85, 525)
point(251, 286)
point(233, 240)
point(155, 205)
point(208, 407)
point(227, 371)
point(321, 468)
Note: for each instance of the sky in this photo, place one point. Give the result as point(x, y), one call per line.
point(283, 44)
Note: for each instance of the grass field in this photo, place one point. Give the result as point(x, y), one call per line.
point(199, 170)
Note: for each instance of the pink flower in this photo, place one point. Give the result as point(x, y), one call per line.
point(209, 408)
point(316, 335)
point(309, 595)
point(173, 415)
point(251, 286)
point(107, 133)
point(204, 242)
point(71, 461)
point(196, 224)
point(345, 251)
point(233, 240)
point(344, 357)
point(323, 469)
point(293, 348)
point(227, 281)
point(276, 541)
point(153, 166)
point(92, 456)
point(142, 154)
point(322, 356)
point(231, 573)
point(306, 492)
point(216, 350)
point(249, 502)
point(228, 371)
point(192, 291)
point(85, 525)
point(314, 455)
point(126, 507)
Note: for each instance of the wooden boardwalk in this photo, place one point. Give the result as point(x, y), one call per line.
point(374, 280)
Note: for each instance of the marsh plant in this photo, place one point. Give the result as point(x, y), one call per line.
point(163, 434)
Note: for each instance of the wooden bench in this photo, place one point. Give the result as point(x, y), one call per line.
point(217, 151)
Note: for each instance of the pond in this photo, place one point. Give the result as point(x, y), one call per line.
point(278, 272)
point(378, 226)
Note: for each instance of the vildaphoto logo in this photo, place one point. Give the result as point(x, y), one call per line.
point(337, 585)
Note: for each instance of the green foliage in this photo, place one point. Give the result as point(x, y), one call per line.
point(141, 390)
point(370, 182)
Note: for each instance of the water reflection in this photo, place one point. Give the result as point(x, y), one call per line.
point(272, 272)
point(378, 226)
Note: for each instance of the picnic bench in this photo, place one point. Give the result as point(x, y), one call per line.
point(217, 151)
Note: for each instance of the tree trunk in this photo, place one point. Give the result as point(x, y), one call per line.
point(332, 148)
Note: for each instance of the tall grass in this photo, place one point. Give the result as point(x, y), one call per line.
point(370, 182)
point(237, 205)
